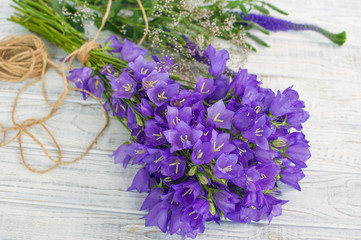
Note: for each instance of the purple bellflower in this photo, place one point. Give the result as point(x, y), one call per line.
point(96, 86)
point(141, 181)
point(259, 133)
point(186, 192)
point(227, 167)
point(173, 167)
point(130, 51)
point(182, 136)
point(118, 106)
point(141, 68)
point(162, 92)
point(114, 43)
point(81, 77)
point(219, 115)
point(218, 60)
point(107, 70)
point(124, 86)
point(204, 86)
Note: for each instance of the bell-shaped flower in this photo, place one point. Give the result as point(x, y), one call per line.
point(173, 167)
point(154, 132)
point(221, 84)
point(274, 206)
point(226, 201)
point(153, 78)
point(227, 167)
point(182, 136)
point(202, 153)
point(154, 160)
point(204, 86)
point(141, 181)
point(220, 143)
point(162, 92)
point(114, 43)
point(244, 118)
point(152, 199)
point(160, 114)
point(259, 133)
point(219, 115)
point(107, 70)
point(174, 116)
point(241, 81)
point(141, 68)
point(81, 77)
point(118, 106)
point(145, 108)
point(185, 98)
point(252, 213)
point(131, 51)
point(261, 176)
point(217, 59)
point(197, 213)
point(96, 86)
point(137, 152)
point(124, 86)
point(255, 199)
point(120, 156)
point(291, 175)
point(186, 192)
point(243, 152)
point(158, 216)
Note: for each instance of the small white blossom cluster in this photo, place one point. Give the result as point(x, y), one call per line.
point(84, 15)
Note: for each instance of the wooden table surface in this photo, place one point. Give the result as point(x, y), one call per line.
point(88, 200)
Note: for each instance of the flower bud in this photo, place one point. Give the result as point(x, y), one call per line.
point(212, 208)
point(192, 171)
point(278, 143)
point(202, 179)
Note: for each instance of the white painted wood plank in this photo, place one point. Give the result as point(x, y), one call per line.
point(88, 200)
point(334, 119)
point(96, 184)
point(32, 222)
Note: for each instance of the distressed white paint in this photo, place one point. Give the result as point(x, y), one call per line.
point(89, 200)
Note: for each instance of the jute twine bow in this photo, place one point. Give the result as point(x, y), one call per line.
point(26, 57)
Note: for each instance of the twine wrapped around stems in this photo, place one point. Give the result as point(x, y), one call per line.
point(26, 57)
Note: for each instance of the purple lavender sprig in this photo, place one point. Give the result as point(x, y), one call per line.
point(276, 24)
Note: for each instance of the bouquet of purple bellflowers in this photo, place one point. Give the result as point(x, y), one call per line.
point(209, 152)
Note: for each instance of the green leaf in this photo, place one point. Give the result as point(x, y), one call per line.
point(251, 47)
point(276, 9)
point(114, 10)
point(258, 27)
point(136, 16)
point(243, 9)
point(257, 40)
point(261, 9)
point(233, 4)
point(55, 5)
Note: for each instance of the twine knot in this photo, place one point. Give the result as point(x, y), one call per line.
point(83, 52)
